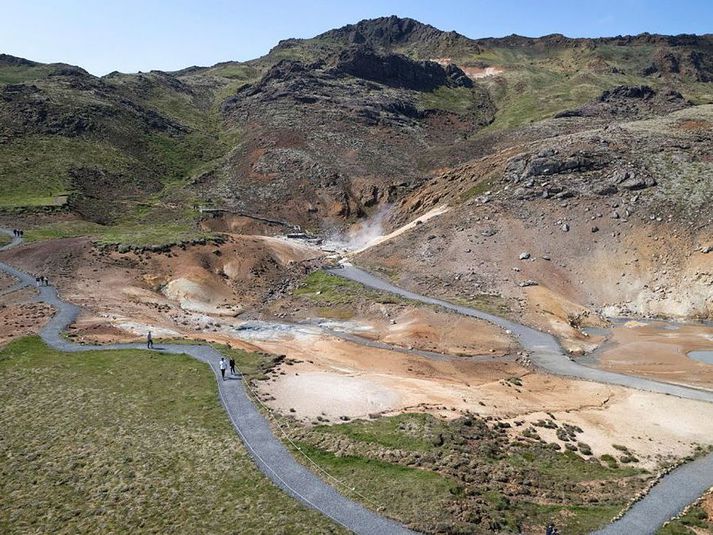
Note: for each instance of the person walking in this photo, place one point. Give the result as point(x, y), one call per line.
point(222, 364)
point(232, 366)
point(149, 340)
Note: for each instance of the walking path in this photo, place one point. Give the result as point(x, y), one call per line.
point(271, 457)
point(672, 493)
point(666, 499)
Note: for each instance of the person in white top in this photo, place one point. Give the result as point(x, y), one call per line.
point(223, 365)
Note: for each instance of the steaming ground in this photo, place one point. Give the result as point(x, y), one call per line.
point(370, 233)
point(240, 293)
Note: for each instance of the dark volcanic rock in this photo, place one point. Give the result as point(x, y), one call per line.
point(385, 33)
point(548, 162)
point(398, 71)
point(674, 62)
point(629, 179)
point(627, 91)
point(13, 61)
point(633, 102)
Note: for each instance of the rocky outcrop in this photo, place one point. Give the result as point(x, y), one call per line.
point(552, 162)
point(631, 102)
point(6, 60)
point(385, 33)
point(562, 173)
point(667, 63)
point(626, 91)
point(398, 71)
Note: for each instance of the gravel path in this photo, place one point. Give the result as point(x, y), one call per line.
point(672, 493)
point(271, 457)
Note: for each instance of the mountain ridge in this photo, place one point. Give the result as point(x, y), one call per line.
point(363, 112)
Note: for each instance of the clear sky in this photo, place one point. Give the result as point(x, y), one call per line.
point(140, 35)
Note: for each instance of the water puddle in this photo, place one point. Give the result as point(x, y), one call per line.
point(705, 356)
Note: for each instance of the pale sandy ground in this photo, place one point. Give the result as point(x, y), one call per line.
point(434, 330)
point(475, 73)
point(660, 351)
point(434, 212)
point(341, 381)
point(340, 378)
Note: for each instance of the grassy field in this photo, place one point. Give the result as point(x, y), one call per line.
point(465, 476)
point(127, 441)
point(36, 168)
point(696, 521)
point(127, 233)
point(326, 289)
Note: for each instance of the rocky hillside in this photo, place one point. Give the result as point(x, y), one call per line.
point(320, 131)
point(602, 211)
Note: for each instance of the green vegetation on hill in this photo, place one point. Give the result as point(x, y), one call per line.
point(127, 441)
point(35, 168)
point(308, 134)
point(326, 289)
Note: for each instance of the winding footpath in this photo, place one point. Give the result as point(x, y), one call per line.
point(666, 499)
point(271, 457)
point(672, 493)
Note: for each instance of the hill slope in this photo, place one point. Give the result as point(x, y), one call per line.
point(317, 132)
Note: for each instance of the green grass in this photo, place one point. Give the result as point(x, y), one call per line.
point(695, 517)
point(136, 234)
point(404, 493)
point(327, 289)
point(35, 169)
point(460, 100)
point(127, 441)
point(494, 304)
point(577, 518)
point(406, 431)
point(568, 467)
point(22, 73)
point(483, 185)
point(473, 472)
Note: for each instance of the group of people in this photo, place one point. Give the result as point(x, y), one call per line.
point(223, 365)
point(18, 233)
point(41, 280)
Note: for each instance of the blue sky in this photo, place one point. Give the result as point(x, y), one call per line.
point(134, 35)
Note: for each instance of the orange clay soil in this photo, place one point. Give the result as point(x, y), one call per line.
point(659, 351)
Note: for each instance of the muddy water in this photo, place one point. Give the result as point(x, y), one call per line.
point(665, 349)
point(705, 356)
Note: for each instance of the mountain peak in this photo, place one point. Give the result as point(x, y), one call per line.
point(387, 32)
point(7, 60)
